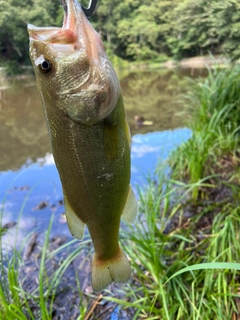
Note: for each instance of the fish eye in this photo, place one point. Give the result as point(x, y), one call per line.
point(45, 66)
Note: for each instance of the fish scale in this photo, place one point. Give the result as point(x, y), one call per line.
point(89, 136)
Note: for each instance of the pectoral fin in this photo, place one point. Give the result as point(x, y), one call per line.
point(75, 225)
point(127, 130)
point(130, 212)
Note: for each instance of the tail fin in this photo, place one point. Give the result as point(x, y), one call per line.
point(115, 270)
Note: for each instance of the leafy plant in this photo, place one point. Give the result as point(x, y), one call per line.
point(133, 30)
point(15, 301)
point(184, 268)
point(213, 104)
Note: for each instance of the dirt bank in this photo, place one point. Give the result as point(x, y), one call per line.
point(203, 62)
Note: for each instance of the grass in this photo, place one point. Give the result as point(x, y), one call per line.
point(185, 248)
point(162, 244)
point(213, 105)
point(15, 301)
point(166, 241)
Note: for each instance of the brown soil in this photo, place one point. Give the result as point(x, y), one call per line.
point(68, 300)
point(225, 189)
point(202, 62)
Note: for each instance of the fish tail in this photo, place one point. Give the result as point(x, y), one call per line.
point(116, 269)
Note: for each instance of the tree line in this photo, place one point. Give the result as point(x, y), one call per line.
point(133, 29)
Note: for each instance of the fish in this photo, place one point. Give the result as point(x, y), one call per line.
point(89, 136)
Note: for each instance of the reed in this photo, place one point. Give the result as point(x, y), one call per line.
point(184, 267)
point(15, 301)
point(184, 249)
point(213, 105)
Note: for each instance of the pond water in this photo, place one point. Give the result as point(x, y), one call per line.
point(30, 189)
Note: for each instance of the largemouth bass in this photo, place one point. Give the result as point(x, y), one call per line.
point(89, 136)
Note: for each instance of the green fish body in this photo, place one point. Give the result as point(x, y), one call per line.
point(89, 136)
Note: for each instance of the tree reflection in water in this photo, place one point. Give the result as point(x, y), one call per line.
point(151, 95)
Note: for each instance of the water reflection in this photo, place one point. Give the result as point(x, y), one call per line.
point(38, 183)
point(28, 175)
point(23, 132)
point(153, 97)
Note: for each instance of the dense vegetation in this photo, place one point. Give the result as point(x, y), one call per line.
point(133, 29)
point(193, 219)
point(185, 248)
point(214, 148)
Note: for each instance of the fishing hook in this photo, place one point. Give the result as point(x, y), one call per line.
point(88, 11)
point(91, 8)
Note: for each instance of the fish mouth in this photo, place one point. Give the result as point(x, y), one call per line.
point(76, 33)
point(80, 69)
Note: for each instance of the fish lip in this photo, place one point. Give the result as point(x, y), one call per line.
point(74, 20)
point(73, 15)
point(75, 42)
point(75, 28)
point(41, 33)
point(33, 28)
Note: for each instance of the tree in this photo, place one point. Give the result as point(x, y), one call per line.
point(132, 29)
point(14, 17)
point(205, 25)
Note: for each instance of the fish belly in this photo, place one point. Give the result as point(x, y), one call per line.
point(94, 167)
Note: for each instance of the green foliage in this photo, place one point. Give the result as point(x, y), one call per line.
point(35, 302)
point(184, 267)
point(14, 17)
point(139, 31)
point(203, 26)
point(164, 248)
point(213, 104)
point(132, 29)
point(15, 302)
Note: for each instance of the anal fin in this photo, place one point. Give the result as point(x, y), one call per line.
point(75, 225)
point(130, 211)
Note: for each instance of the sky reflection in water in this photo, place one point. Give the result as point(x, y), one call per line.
point(28, 175)
point(22, 191)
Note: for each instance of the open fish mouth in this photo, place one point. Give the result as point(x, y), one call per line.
point(74, 59)
point(75, 34)
point(73, 15)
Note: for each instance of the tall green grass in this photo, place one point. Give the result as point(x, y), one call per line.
point(15, 301)
point(213, 106)
point(165, 241)
point(185, 247)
